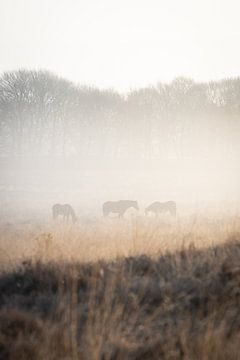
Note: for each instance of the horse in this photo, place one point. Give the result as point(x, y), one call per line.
point(65, 210)
point(119, 207)
point(162, 207)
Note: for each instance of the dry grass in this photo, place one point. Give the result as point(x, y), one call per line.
point(135, 289)
point(110, 239)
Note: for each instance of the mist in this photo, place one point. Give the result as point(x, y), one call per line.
point(66, 143)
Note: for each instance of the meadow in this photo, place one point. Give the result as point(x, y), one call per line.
point(109, 288)
point(136, 288)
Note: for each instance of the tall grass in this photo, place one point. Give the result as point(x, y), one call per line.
point(129, 290)
point(110, 238)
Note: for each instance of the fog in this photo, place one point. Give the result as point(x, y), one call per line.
point(122, 44)
point(65, 143)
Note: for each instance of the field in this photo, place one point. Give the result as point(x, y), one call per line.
point(137, 288)
point(119, 180)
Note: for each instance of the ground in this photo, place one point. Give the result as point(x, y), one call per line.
point(130, 289)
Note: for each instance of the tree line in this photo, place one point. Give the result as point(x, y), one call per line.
point(42, 114)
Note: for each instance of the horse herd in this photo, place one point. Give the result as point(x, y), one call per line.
point(116, 207)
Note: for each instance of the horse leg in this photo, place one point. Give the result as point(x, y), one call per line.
point(121, 215)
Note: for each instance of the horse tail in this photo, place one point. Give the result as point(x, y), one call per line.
point(55, 211)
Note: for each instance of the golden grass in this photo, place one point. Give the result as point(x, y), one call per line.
point(180, 302)
point(110, 239)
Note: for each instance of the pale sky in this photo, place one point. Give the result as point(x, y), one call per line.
point(122, 44)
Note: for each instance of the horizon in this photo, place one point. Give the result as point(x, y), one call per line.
point(114, 89)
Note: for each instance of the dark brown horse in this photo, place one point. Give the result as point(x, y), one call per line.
point(119, 207)
point(162, 207)
point(66, 211)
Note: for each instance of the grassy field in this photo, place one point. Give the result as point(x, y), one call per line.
point(131, 289)
point(96, 238)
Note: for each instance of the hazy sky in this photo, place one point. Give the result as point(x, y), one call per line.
point(122, 43)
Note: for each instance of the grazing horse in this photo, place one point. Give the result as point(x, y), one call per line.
point(65, 210)
point(119, 207)
point(162, 207)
